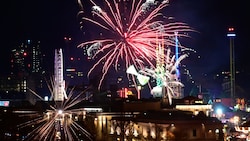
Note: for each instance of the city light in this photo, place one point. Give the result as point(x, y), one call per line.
point(60, 112)
point(4, 103)
point(231, 35)
point(219, 111)
point(231, 32)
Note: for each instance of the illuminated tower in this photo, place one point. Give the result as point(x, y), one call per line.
point(231, 36)
point(160, 69)
point(178, 89)
point(59, 93)
point(177, 53)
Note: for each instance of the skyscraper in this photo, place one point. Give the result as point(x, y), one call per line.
point(26, 58)
point(26, 66)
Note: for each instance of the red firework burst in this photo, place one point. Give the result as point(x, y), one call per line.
point(136, 29)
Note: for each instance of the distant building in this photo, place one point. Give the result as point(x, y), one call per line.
point(172, 125)
point(26, 58)
point(74, 69)
point(26, 69)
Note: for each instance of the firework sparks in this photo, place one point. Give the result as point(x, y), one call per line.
point(167, 76)
point(133, 31)
point(58, 122)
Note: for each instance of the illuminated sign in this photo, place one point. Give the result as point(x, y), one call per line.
point(4, 103)
point(93, 109)
point(231, 35)
point(70, 70)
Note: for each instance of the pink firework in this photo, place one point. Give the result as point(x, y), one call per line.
point(137, 29)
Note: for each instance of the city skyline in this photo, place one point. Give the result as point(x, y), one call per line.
point(50, 22)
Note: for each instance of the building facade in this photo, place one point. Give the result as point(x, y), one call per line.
point(26, 64)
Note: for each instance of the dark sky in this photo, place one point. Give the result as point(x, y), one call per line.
point(211, 19)
point(51, 20)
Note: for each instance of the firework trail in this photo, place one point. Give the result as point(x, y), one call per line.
point(130, 29)
point(57, 123)
point(169, 78)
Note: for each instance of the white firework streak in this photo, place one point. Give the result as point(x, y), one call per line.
point(45, 124)
point(168, 78)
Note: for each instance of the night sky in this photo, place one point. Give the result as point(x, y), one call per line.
point(51, 20)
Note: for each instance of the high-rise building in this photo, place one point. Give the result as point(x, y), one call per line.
point(26, 58)
point(26, 67)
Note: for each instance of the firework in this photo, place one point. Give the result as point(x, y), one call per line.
point(166, 75)
point(131, 31)
point(60, 119)
point(54, 121)
point(58, 122)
